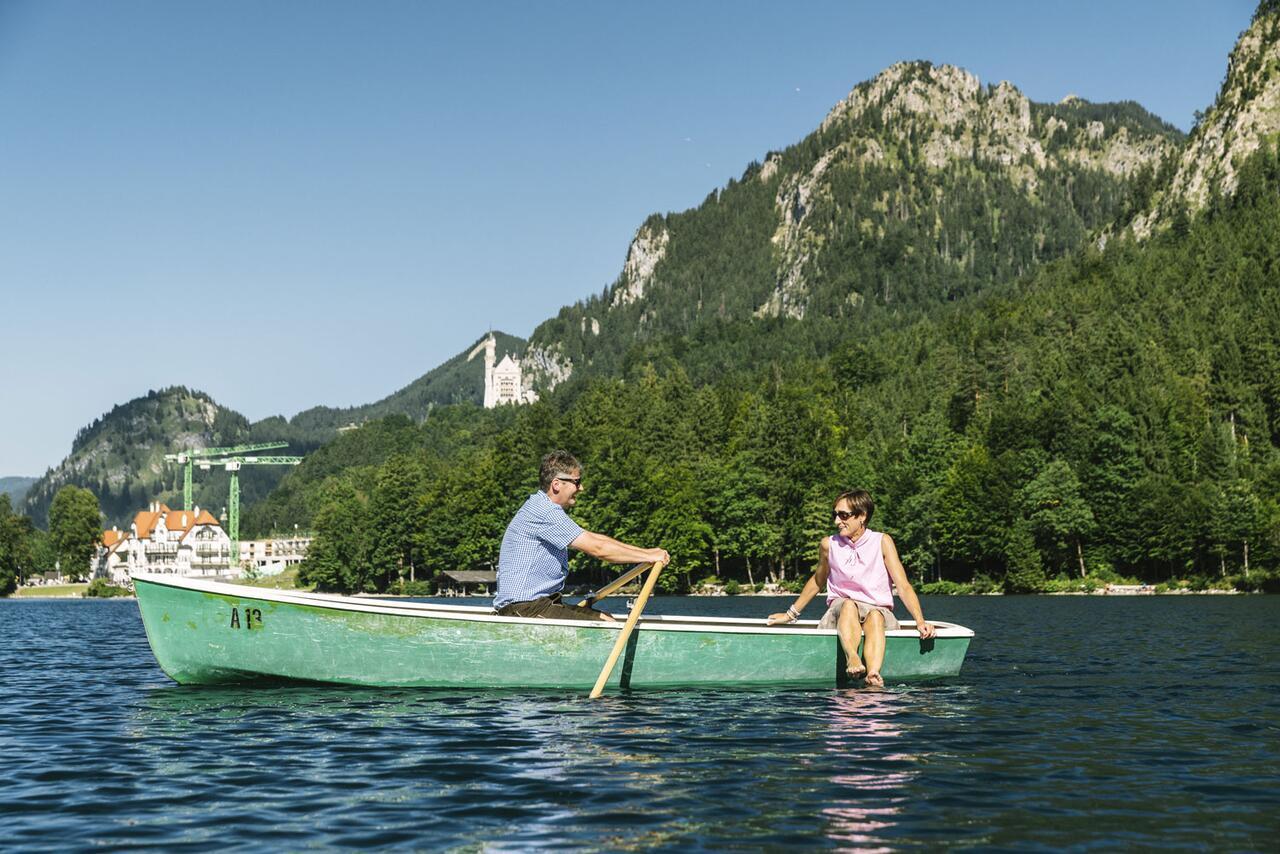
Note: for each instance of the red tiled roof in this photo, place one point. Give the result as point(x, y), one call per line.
point(145, 521)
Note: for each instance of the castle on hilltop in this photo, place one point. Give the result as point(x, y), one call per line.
point(503, 382)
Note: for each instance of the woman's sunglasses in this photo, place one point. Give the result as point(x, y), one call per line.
point(843, 515)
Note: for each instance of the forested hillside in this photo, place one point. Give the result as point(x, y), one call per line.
point(120, 456)
point(1118, 412)
point(921, 187)
point(1113, 413)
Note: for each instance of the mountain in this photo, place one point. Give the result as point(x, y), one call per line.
point(1244, 117)
point(921, 187)
point(120, 456)
point(16, 488)
point(1111, 413)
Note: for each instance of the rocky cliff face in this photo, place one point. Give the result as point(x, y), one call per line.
point(920, 186)
point(944, 117)
point(1245, 115)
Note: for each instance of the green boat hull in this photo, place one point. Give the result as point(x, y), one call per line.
point(206, 633)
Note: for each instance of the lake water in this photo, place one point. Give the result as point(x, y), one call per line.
point(1078, 722)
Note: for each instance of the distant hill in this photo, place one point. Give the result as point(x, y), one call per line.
point(120, 456)
point(16, 488)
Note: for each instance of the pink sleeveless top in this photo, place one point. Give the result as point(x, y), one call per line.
point(858, 570)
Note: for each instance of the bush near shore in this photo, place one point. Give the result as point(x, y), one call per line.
point(100, 588)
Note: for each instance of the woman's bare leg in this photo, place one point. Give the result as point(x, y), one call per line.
point(873, 647)
point(849, 631)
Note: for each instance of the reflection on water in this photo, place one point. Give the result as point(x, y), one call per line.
point(865, 733)
point(1073, 737)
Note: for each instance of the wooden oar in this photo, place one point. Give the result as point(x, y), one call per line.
point(614, 585)
point(623, 635)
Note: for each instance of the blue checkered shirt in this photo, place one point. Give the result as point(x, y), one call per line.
point(534, 559)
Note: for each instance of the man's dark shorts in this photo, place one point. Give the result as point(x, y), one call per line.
point(549, 608)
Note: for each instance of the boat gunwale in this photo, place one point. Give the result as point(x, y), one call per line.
point(476, 613)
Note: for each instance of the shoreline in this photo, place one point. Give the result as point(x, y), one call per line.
point(1113, 590)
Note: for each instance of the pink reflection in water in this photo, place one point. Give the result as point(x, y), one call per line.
point(863, 729)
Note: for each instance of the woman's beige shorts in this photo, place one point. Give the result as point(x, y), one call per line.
point(828, 620)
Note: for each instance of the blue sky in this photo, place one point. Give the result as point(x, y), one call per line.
point(286, 204)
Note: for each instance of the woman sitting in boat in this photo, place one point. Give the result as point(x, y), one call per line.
point(533, 561)
point(860, 568)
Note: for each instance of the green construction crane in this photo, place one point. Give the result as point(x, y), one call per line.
point(233, 465)
point(187, 459)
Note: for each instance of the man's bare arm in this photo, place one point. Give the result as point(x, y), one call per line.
point(615, 551)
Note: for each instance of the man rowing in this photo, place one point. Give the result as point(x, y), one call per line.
point(534, 559)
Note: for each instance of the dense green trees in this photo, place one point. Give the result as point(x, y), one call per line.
point(16, 556)
point(75, 527)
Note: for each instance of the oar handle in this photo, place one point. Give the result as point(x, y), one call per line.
point(630, 624)
point(614, 585)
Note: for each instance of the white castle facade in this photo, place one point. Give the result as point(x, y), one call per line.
point(503, 382)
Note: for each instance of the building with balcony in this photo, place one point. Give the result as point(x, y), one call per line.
point(183, 542)
point(274, 556)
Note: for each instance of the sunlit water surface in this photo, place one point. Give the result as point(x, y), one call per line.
point(1077, 722)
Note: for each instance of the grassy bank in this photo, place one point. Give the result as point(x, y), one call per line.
point(51, 591)
point(287, 580)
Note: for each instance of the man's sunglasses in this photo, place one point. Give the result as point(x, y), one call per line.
point(576, 481)
point(843, 515)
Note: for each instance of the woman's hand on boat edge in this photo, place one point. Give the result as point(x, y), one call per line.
point(926, 629)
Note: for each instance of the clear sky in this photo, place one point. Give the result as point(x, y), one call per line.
point(286, 204)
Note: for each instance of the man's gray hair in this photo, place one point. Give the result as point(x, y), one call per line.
point(557, 464)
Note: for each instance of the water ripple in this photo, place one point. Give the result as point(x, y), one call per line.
point(1082, 735)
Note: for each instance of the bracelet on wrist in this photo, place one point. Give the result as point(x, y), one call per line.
point(793, 613)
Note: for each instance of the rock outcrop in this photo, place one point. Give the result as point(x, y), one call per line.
point(1245, 115)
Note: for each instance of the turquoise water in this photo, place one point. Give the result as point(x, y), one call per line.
point(1078, 722)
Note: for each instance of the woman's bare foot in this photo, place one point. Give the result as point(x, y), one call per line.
point(875, 680)
point(855, 670)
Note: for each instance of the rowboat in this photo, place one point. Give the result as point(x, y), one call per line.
point(208, 633)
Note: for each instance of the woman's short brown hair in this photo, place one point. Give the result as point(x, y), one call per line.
point(860, 503)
